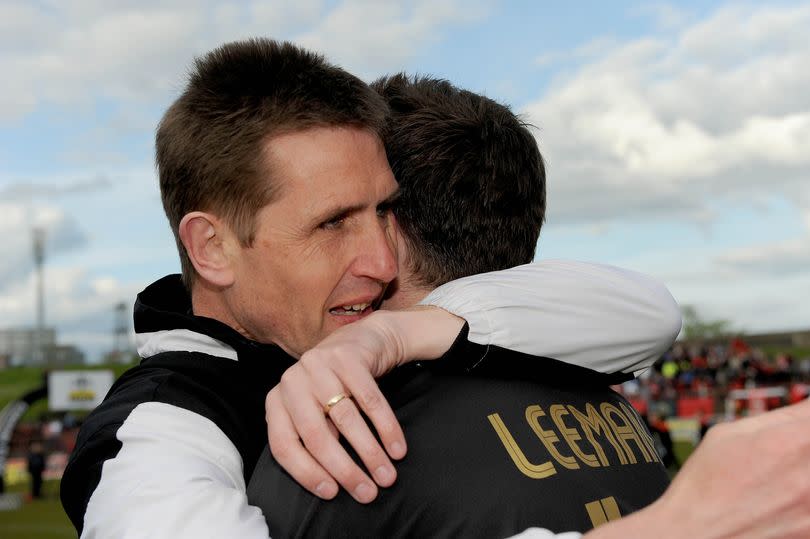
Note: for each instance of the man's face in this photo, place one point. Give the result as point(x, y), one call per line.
point(325, 243)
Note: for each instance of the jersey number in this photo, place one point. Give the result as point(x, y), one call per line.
point(603, 510)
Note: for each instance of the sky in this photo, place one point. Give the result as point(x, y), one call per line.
point(676, 135)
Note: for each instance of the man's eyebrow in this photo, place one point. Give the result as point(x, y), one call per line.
point(391, 199)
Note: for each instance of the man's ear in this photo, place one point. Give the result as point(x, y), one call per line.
point(206, 239)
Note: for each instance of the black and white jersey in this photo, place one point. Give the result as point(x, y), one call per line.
point(181, 430)
point(490, 454)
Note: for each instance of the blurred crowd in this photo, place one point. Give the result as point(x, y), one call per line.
point(728, 380)
point(692, 387)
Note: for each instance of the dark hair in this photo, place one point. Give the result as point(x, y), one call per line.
point(211, 142)
point(471, 177)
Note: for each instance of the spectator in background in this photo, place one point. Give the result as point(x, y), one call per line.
point(660, 433)
point(36, 465)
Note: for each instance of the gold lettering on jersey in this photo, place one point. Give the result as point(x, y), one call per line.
point(614, 423)
point(592, 423)
point(548, 437)
point(642, 431)
point(603, 511)
point(624, 431)
point(535, 471)
point(571, 435)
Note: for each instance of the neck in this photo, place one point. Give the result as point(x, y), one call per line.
point(407, 295)
point(208, 301)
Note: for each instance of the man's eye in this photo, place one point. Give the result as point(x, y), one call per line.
point(333, 223)
point(387, 208)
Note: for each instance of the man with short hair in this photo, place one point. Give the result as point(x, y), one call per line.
point(323, 140)
point(483, 171)
point(512, 443)
point(275, 181)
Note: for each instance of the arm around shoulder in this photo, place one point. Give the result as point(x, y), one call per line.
point(596, 316)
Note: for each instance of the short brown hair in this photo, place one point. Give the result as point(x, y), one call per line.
point(209, 142)
point(471, 178)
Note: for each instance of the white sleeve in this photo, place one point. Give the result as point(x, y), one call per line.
point(542, 533)
point(177, 475)
point(601, 317)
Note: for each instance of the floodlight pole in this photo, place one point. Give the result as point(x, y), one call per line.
point(120, 331)
point(39, 261)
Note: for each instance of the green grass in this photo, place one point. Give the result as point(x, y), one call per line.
point(15, 381)
point(682, 450)
point(797, 352)
point(37, 519)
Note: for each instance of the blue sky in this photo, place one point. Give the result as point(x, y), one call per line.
point(677, 136)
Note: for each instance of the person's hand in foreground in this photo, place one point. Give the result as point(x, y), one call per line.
point(324, 392)
point(747, 479)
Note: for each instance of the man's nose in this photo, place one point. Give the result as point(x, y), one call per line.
point(378, 259)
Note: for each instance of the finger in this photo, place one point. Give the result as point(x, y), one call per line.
point(333, 429)
point(337, 462)
point(354, 428)
point(372, 402)
point(346, 417)
point(348, 420)
point(289, 452)
point(306, 413)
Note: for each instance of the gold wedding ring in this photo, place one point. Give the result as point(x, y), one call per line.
point(333, 401)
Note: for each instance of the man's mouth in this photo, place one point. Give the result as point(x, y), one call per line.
point(349, 310)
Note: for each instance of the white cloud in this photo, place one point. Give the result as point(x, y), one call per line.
point(587, 51)
point(77, 303)
point(746, 285)
point(771, 259)
point(713, 112)
point(755, 304)
point(115, 53)
point(659, 127)
point(17, 223)
point(76, 295)
point(70, 53)
point(370, 37)
point(23, 191)
point(697, 125)
point(121, 63)
point(748, 29)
